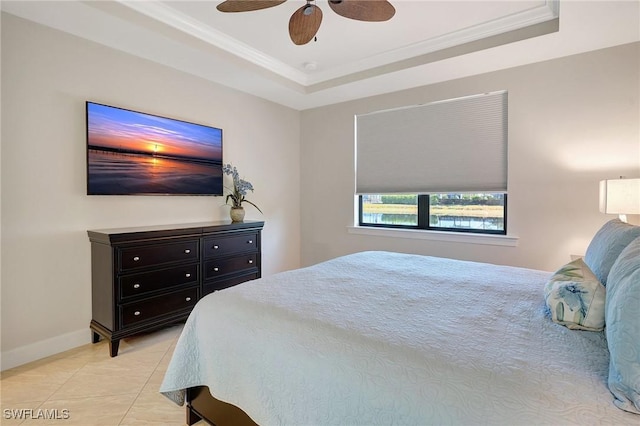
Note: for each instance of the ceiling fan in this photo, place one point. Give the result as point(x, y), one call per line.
point(305, 22)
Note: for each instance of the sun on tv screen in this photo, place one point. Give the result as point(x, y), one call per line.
point(134, 153)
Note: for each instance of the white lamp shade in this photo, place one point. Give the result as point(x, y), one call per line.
point(620, 196)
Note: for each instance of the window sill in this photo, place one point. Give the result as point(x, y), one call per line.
point(455, 237)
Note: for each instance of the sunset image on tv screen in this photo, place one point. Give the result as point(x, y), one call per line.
point(130, 153)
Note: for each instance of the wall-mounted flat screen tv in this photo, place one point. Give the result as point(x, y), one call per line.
point(134, 153)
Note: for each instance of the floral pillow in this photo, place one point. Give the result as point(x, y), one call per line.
point(576, 297)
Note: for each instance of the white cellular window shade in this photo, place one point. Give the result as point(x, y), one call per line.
point(457, 145)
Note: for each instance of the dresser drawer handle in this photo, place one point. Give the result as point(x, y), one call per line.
point(250, 242)
point(136, 258)
point(136, 313)
point(136, 285)
point(216, 269)
point(215, 247)
point(187, 251)
point(250, 261)
point(188, 299)
point(187, 275)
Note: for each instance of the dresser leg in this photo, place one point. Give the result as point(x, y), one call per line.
point(95, 337)
point(113, 347)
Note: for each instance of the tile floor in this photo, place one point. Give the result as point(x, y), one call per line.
point(95, 388)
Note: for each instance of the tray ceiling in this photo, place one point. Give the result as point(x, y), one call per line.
point(425, 42)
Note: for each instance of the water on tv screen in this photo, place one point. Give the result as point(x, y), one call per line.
point(134, 153)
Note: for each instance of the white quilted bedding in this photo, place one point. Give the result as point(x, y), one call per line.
point(387, 338)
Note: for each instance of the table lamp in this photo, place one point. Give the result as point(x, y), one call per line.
point(620, 196)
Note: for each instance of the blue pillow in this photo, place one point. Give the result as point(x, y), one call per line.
point(606, 246)
point(622, 315)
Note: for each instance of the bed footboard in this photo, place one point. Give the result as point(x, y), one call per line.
point(202, 406)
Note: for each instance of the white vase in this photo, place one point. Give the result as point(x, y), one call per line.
point(237, 214)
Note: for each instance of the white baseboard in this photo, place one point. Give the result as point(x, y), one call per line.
point(44, 348)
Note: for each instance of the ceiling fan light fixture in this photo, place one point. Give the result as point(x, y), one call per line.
point(304, 23)
point(308, 10)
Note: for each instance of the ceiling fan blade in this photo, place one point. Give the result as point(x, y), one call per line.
point(364, 10)
point(247, 5)
point(305, 23)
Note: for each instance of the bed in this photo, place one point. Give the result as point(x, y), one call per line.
point(389, 338)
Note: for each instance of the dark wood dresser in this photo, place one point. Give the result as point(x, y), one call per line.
point(145, 278)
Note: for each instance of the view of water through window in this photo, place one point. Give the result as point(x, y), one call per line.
point(482, 212)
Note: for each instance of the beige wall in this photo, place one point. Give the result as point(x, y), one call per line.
point(46, 78)
point(572, 122)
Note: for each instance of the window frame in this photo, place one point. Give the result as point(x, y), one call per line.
point(424, 206)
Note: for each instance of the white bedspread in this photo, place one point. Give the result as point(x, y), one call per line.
point(388, 338)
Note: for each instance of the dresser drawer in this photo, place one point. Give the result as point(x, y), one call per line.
point(218, 267)
point(214, 285)
point(133, 285)
point(223, 246)
point(150, 255)
point(153, 307)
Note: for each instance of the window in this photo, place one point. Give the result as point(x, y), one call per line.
point(462, 212)
point(437, 166)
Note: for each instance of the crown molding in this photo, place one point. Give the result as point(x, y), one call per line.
point(193, 27)
point(197, 29)
point(534, 16)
